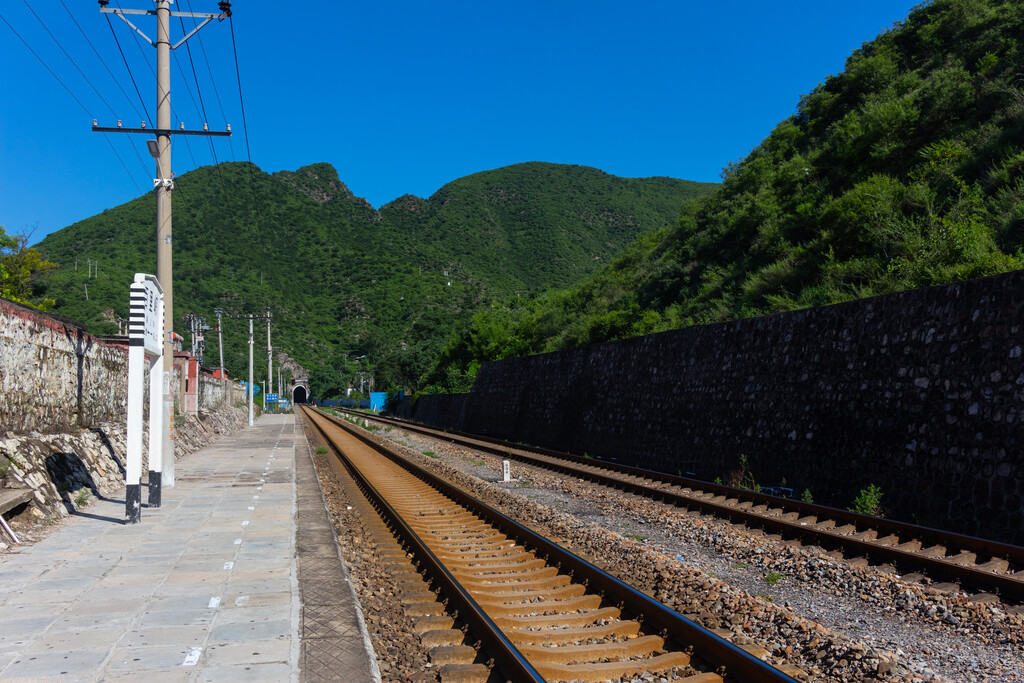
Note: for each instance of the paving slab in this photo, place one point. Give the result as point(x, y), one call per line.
point(208, 587)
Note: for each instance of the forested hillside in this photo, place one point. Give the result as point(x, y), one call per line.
point(904, 170)
point(343, 280)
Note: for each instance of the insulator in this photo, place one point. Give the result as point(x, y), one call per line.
point(229, 127)
point(142, 125)
point(119, 123)
point(206, 127)
point(182, 126)
point(94, 124)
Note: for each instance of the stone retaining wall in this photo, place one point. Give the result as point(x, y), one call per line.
point(54, 377)
point(65, 471)
point(920, 393)
point(63, 407)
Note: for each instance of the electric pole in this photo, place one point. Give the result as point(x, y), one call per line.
point(250, 371)
point(252, 342)
point(270, 362)
point(161, 150)
point(220, 348)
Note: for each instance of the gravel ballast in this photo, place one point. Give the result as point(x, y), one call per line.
point(890, 628)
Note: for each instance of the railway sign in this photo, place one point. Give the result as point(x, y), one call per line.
point(271, 398)
point(145, 345)
point(144, 318)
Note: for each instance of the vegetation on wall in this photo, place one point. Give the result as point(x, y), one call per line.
point(904, 170)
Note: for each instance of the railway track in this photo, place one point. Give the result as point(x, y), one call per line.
point(538, 611)
point(952, 560)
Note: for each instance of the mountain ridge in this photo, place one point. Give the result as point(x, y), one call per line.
point(904, 170)
point(345, 280)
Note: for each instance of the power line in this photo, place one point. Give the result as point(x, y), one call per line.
point(213, 81)
point(114, 78)
point(78, 101)
point(70, 58)
point(45, 66)
point(130, 176)
point(200, 105)
point(134, 147)
point(138, 45)
point(128, 68)
point(181, 71)
point(201, 110)
point(188, 51)
point(245, 129)
point(213, 149)
point(188, 146)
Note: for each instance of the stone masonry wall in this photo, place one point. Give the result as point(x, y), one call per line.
point(920, 393)
point(55, 377)
point(66, 471)
point(63, 406)
point(215, 394)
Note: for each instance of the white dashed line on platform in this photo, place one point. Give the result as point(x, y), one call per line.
point(192, 658)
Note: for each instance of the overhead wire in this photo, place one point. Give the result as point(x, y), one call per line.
point(248, 153)
point(201, 110)
point(47, 67)
point(245, 126)
point(132, 144)
point(188, 146)
point(70, 58)
point(74, 97)
point(127, 67)
point(213, 81)
point(99, 57)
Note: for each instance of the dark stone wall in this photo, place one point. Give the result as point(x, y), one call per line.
point(920, 393)
point(443, 411)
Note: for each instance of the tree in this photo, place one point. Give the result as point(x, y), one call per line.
point(20, 268)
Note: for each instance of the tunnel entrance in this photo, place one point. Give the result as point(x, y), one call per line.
point(299, 395)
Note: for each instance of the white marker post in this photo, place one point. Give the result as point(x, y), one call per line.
point(145, 338)
point(506, 472)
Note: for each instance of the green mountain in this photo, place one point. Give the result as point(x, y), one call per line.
point(343, 280)
point(905, 170)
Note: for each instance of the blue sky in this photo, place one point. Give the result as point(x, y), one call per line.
point(403, 97)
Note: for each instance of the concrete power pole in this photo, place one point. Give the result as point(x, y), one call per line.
point(250, 370)
point(220, 348)
point(270, 362)
point(161, 150)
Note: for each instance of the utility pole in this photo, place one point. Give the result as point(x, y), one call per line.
point(252, 343)
point(161, 150)
point(220, 338)
point(250, 371)
point(220, 348)
point(270, 362)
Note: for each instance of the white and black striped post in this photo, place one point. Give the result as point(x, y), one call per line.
point(145, 338)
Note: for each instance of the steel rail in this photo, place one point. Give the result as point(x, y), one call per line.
point(506, 655)
point(654, 615)
point(1007, 587)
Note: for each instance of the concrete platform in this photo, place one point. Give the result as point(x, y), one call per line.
point(236, 577)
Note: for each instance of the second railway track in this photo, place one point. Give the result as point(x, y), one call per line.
point(539, 612)
point(979, 564)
